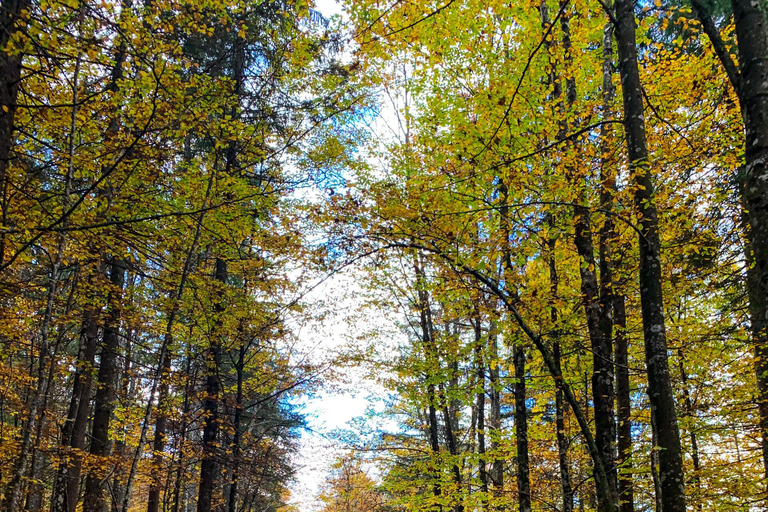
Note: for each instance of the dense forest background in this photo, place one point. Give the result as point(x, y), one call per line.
point(553, 216)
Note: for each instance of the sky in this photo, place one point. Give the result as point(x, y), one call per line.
point(333, 408)
point(344, 397)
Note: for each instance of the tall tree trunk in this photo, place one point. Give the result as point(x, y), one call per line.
point(161, 423)
point(623, 407)
point(425, 321)
point(482, 473)
point(104, 402)
point(119, 485)
point(660, 391)
point(209, 464)
point(600, 338)
point(613, 318)
point(32, 427)
point(561, 436)
point(521, 432)
point(752, 36)
point(496, 473)
point(67, 479)
point(10, 77)
point(689, 413)
point(237, 427)
point(562, 441)
point(64, 498)
point(179, 480)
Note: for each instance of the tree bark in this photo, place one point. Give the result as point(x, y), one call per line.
point(209, 464)
point(65, 492)
point(623, 406)
point(426, 339)
point(752, 37)
point(10, 78)
point(652, 303)
point(480, 405)
point(104, 402)
point(496, 473)
point(237, 426)
point(521, 432)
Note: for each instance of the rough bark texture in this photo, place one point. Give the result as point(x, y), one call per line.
point(521, 433)
point(660, 391)
point(104, 402)
point(10, 76)
point(752, 35)
point(209, 463)
point(73, 434)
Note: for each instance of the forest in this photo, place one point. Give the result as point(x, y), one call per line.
point(549, 219)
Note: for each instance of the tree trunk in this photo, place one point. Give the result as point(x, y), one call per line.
point(65, 492)
point(652, 304)
point(752, 36)
point(161, 424)
point(119, 486)
point(689, 413)
point(521, 432)
point(480, 406)
point(10, 77)
point(562, 439)
point(425, 320)
point(104, 402)
point(496, 473)
point(623, 406)
point(209, 464)
point(237, 427)
point(177, 485)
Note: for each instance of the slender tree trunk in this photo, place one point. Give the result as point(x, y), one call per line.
point(65, 492)
point(104, 402)
point(178, 483)
point(600, 338)
point(34, 419)
point(35, 492)
point(652, 303)
point(427, 340)
point(480, 405)
point(613, 317)
point(752, 36)
point(209, 464)
point(562, 439)
point(623, 406)
point(158, 445)
point(521, 432)
point(119, 486)
point(453, 449)
point(659, 506)
point(67, 479)
point(496, 473)
point(237, 427)
point(689, 413)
